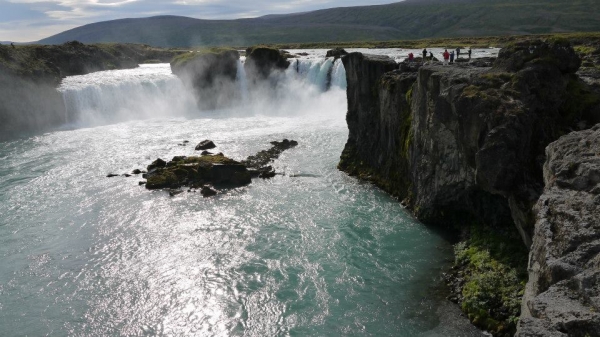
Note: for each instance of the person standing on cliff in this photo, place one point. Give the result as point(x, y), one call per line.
point(469, 54)
point(457, 53)
point(411, 57)
point(446, 56)
point(431, 56)
point(424, 55)
point(452, 57)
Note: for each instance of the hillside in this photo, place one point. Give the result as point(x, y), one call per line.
point(411, 19)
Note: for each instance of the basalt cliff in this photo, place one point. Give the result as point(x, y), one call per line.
point(466, 147)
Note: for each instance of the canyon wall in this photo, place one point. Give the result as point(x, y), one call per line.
point(464, 144)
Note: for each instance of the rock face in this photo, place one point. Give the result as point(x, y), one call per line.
point(211, 74)
point(462, 141)
point(465, 144)
point(562, 297)
point(263, 63)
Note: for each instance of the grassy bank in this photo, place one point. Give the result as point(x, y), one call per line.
point(577, 39)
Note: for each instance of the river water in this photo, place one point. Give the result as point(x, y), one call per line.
point(311, 252)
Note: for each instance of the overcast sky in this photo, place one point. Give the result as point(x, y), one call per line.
point(32, 20)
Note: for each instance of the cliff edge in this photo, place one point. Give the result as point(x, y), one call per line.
point(463, 147)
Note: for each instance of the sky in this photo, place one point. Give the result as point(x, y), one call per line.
point(32, 20)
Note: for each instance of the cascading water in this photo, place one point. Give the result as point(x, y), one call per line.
point(311, 252)
point(114, 96)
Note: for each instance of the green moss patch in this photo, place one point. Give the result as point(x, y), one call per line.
point(494, 268)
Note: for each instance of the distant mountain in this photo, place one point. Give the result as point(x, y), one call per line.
point(410, 19)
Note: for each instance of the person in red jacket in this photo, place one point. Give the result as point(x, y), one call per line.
point(446, 56)
point(411, 57)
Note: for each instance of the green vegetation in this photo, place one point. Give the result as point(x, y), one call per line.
point(410, 20)
point(494, 268)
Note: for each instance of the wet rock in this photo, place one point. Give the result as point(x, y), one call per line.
point(158, 163)
point(207, 191)
point(194, 171)
point(262, 62)
point(205, 145)
point(136, 171)
point(206, 153)
point(262, 158)
point(173, 193)
point(110, 175)
point(140, 183)
point(336, 53)
point(126, 175)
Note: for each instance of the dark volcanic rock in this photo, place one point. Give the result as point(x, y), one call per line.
point(465, 144)
point(562, 297)
point(205, 145)
point(336, 53)
point(195, 171)
point(158, 163)
point(473, 138)
point(212, 75)
point(262, 63)
point(206, 192)
point(261, 159)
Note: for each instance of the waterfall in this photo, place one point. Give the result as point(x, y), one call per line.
point(152, 91)
point(338, 76)
point(322, 73)
point(119, 95)
point(242, 80)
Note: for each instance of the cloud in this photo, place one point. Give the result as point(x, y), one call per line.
point(31, 20)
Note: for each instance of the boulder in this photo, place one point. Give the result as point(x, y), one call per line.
point(158, 163)
point(206, 192)
point(205, 145)
point(336, 53)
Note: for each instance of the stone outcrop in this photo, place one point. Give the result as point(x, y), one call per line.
point(465, 144)
point(207, 171)
point(211, 74)
point(194, 171)
point(336, 53)
point(463, 140)
point(562, 296)
point(263, 63)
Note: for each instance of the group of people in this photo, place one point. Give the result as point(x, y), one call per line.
point(447, 56)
